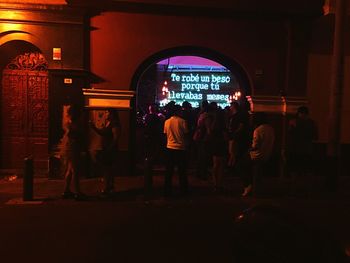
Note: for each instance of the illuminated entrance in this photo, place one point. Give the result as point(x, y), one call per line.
point(24, 111)
point(184, 80)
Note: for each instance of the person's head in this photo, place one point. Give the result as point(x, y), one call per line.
point(186, 106)
point(303, 112)
point(169, 108)
point(213, 106)
point(234, 107)
point(177, 110)
point(205, 105)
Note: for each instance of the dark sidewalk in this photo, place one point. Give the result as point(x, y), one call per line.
point(129, 228)
point(312, 187)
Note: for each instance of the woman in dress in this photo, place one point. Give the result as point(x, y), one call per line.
point(70, 148)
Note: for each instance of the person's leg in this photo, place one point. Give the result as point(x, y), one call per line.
point(202, 161)
point(148, 167)
point(232, 152)
point(169, 172)
point(148, 176)
point(109, 179)
point(246, 174)
point(182, 169)
point(220, 172)
point(67, 193)
point(215, 172)
point(67, 176)
point(75, 174)
point(257, 167)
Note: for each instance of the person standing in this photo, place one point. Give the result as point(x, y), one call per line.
point(176, 131)
point(200, 138)
point(238, 134)
point(259, 154)
point(106, 155)
point(217, 143)
point(71, 147)
point(153, 144)
point(302, 132)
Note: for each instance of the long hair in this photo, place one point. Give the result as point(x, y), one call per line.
point(70, 114)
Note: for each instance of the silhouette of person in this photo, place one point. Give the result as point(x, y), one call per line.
point(153, 139)
point(302, 132)
point(259, 154)
point(70, 147)
point(106, 154)
point(217, 143)
point(176, 131)
point(200, 137)
point(238, 134)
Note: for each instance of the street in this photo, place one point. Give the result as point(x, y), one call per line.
point(129, 228)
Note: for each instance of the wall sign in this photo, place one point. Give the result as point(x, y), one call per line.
point(56, 53)
point(68, 81)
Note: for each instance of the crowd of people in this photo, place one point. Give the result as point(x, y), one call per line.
point(209, 139)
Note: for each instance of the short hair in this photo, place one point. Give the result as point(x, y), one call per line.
point(205, 104)
point(235, 104)
point(186, 105)
point(177, 110)
point(303, 109)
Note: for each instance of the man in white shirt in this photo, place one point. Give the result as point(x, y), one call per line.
point(260, 152)
point(176, 131)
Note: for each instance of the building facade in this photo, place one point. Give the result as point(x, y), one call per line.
point(281, 54)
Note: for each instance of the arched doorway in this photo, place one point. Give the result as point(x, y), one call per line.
point(191, 74)
point(24, 107)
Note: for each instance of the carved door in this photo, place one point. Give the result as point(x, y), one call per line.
point(24, 111)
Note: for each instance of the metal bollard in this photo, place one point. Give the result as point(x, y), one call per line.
point(28, 179)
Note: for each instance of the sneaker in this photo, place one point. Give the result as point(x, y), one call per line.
point(247, 190)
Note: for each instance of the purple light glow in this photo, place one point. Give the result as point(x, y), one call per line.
point(189, 60)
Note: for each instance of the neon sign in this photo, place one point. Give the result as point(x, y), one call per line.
point(196, 86)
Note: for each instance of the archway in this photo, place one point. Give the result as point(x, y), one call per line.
point(229, 63)
point(24, 105)
point(205, 75)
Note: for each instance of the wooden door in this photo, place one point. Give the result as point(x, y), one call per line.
point(24, 112)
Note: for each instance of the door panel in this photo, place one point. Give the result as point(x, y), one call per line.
point(24, 114)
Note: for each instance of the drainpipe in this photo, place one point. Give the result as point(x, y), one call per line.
point(336, 88)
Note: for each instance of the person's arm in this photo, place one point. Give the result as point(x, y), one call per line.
point(116, 131)
point(97, 130)
point(255, 141)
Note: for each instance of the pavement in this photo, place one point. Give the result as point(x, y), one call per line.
point(129, 227)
